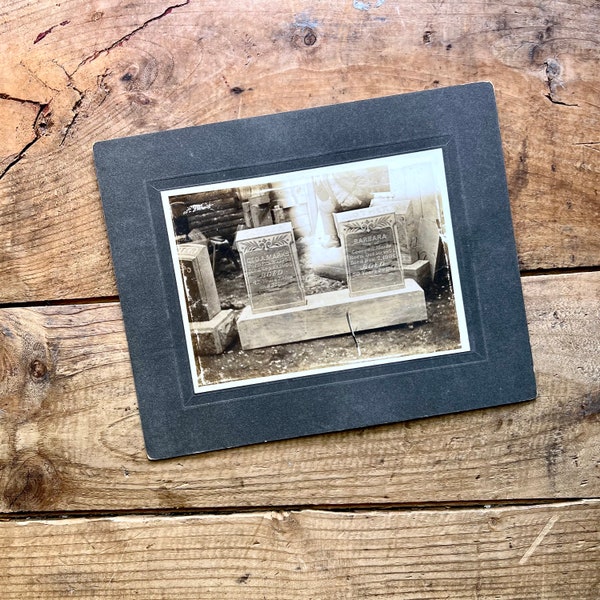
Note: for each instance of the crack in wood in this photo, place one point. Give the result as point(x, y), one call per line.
point(128, 36)
point(74, 110)
point(20, 100)
point(42, 107)
point(80, 97)
point(559, 102)
point(553, 81)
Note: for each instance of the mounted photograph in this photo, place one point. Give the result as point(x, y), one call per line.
point(317, 270)
point(273, 290)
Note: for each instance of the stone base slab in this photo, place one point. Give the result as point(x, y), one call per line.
point(331, 313)
point(214, 336)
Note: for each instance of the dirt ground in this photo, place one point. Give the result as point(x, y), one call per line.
point(440, 332)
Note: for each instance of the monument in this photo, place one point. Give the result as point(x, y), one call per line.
point(198, 281)
point(407, 229)
point(271, 269)
point(279, 313)
point(212, 329)
point(372, 255)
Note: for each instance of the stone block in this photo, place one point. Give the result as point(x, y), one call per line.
point(214, 336)
point(332, 313)
point(420, 271)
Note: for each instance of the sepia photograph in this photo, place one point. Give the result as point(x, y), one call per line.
point(311, 271)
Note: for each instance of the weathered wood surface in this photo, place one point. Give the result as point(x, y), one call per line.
point(549, 552)
point(72, 437)
point(73, 73)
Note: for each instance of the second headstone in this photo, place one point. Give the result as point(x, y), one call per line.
point(370, 243)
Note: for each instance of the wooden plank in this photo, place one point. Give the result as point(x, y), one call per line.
point(550, 552)
point(71, 437)
point(102, 70)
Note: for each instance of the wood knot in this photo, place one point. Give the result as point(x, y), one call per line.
point(310, 37)
point(26, 366)
point(130, 74)
point(304, 36)
point(31, 482)
point(590, 406)
point(38, 369)
point(140, 99)
point(552, 68)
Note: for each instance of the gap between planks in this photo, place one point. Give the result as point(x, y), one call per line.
point(330, 508)
point(61, 302)
point(116, 299)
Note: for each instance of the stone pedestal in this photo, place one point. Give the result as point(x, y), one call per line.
point(420, 271)
point(212, 329)
point(332, 313)
point(261, 215)
point(329, 263)
point(199, 283)
point(260, 209)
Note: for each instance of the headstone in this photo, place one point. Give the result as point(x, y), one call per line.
point(372, 255)
point(271, 268)
point(199, 283)
point(260, 209)
point(406, 225)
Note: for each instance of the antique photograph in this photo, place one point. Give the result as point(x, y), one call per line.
point(272, 289)
point(317, 270)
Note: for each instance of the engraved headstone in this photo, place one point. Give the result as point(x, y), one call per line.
point(372, 255)
point(199, 283)
point(271, 268)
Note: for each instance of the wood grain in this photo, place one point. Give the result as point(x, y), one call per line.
point(550, 552)
point(73, 73)
point(72, 437)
